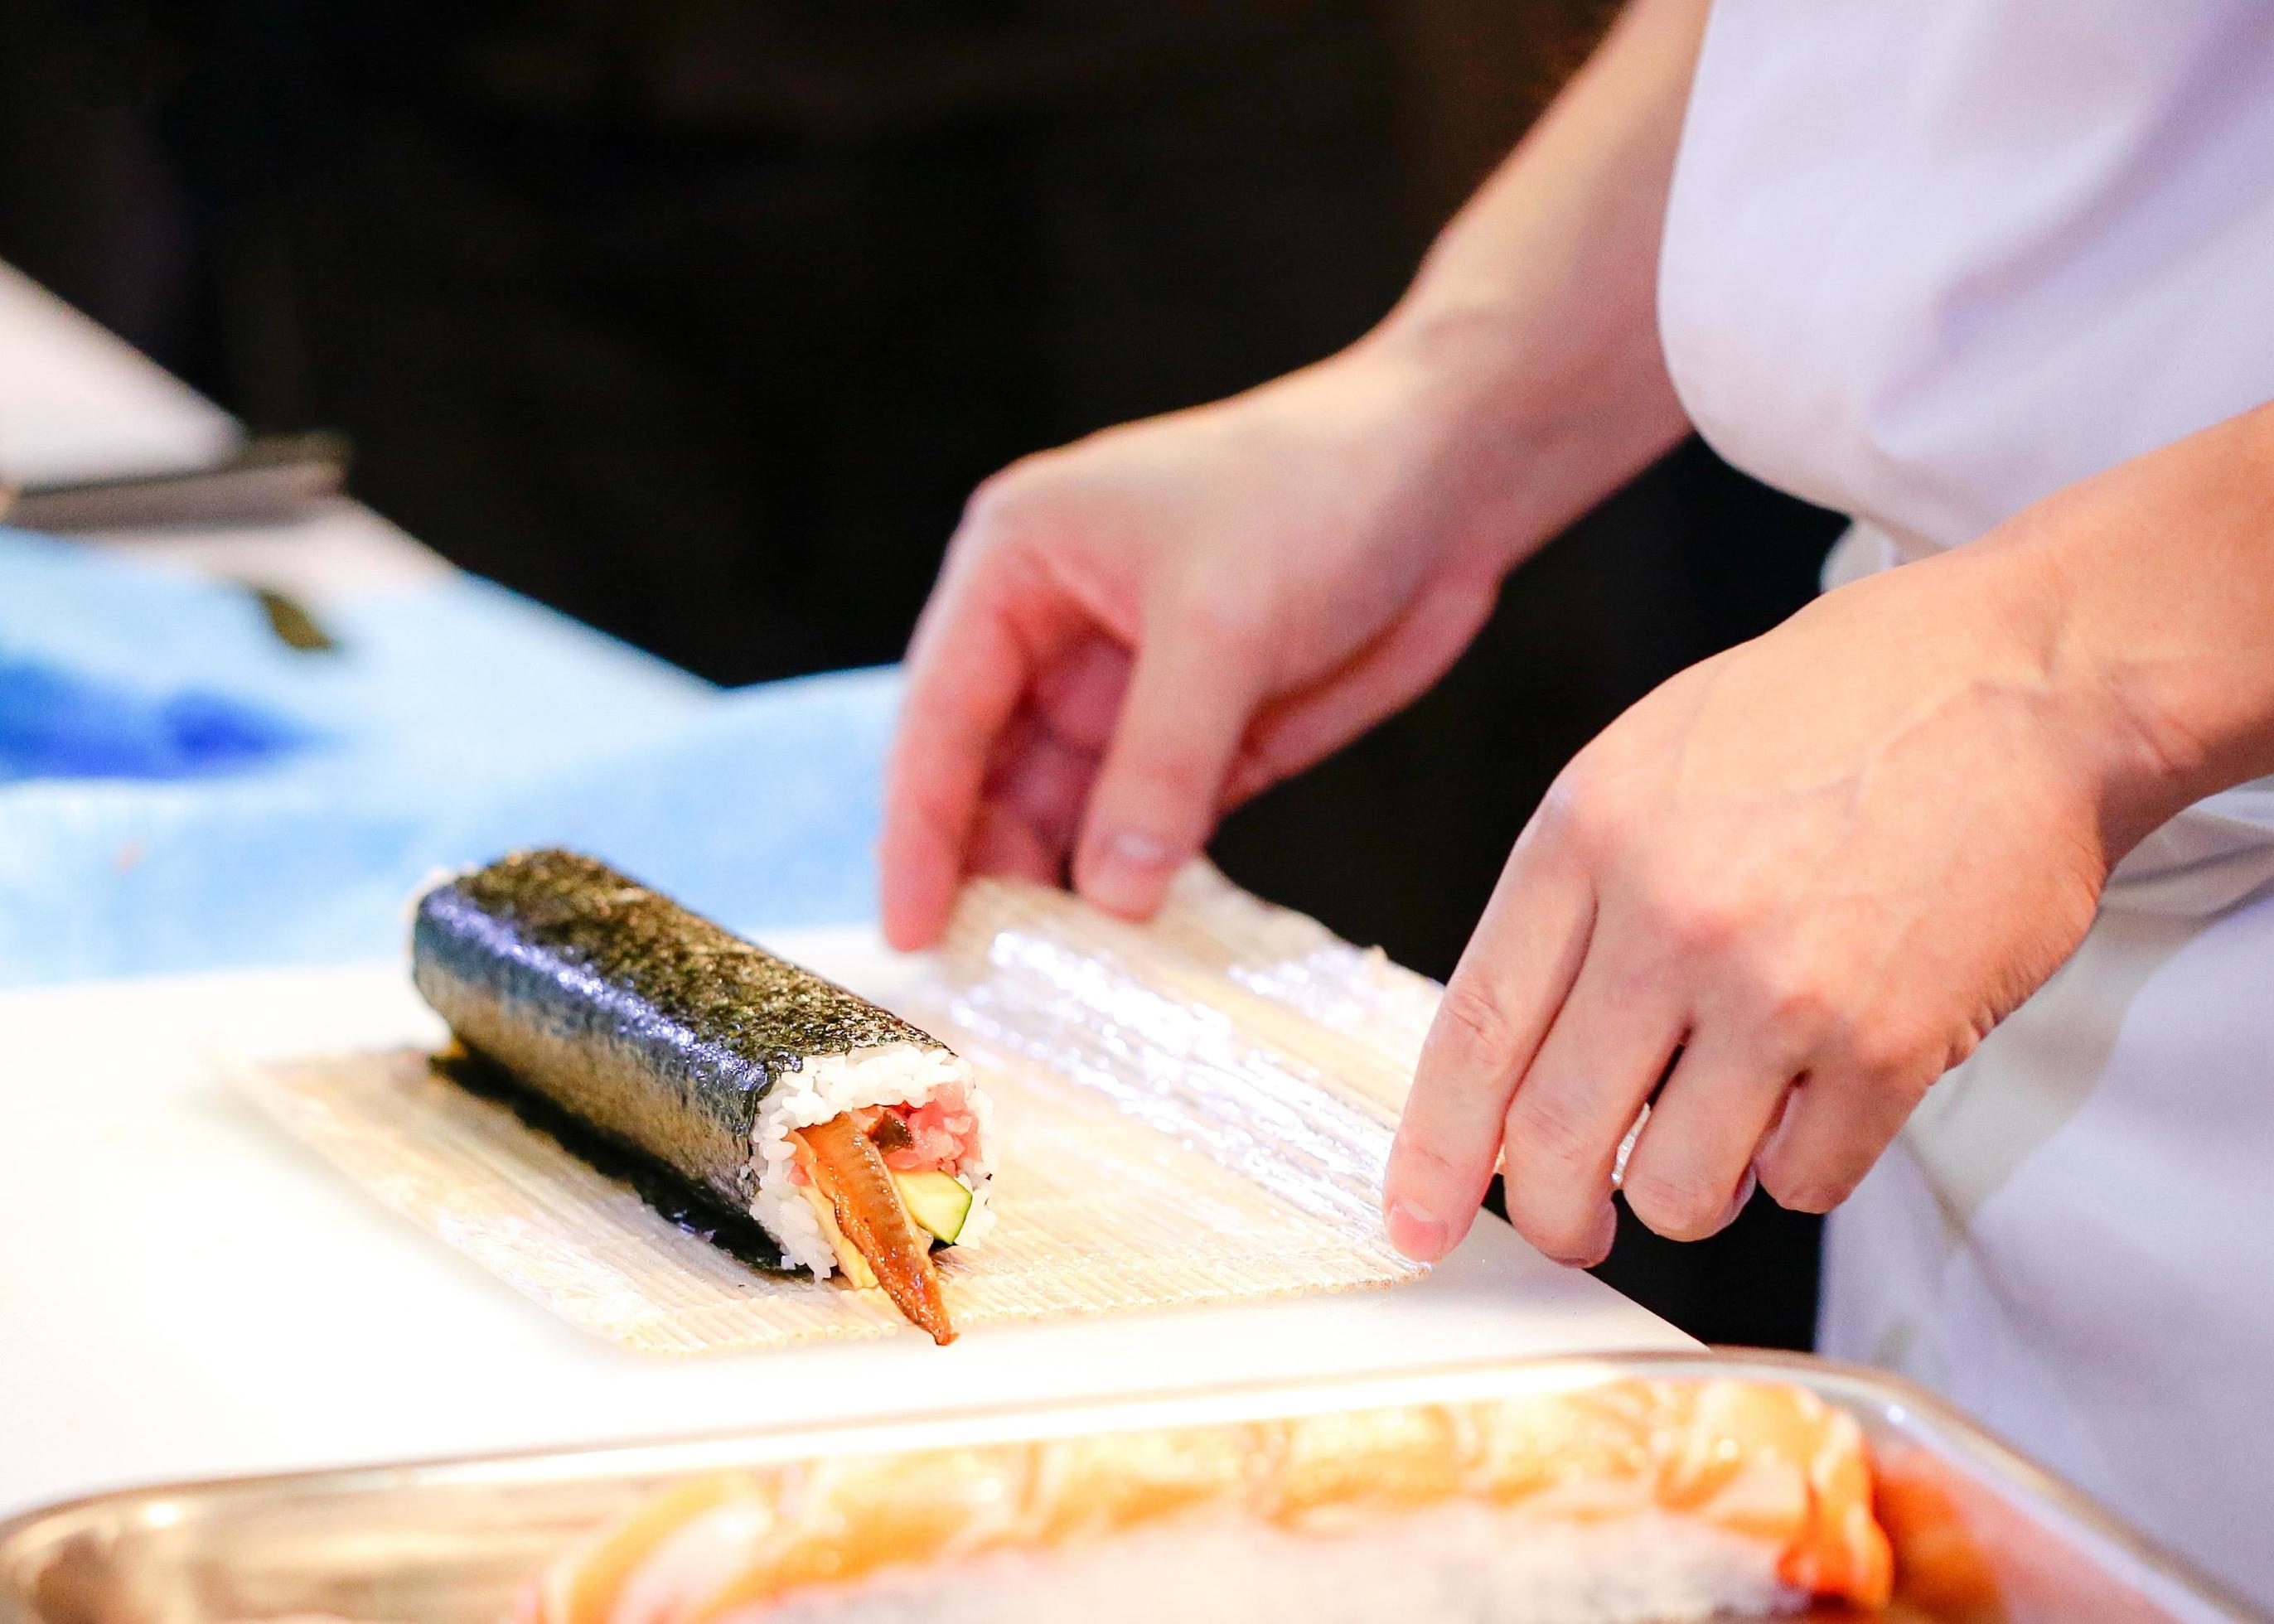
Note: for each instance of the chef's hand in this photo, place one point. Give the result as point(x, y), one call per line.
point(1133, 634)
point(1810, 873)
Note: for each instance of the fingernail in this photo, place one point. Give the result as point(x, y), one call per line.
point(1139, 850)
point(1606, 1231)
point(1126, 872)
point(1744, 1194)
point(1415, 1232)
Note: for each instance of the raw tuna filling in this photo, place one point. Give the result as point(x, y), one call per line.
point(935, 1135)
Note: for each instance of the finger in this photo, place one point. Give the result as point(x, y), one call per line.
point(975, 662)
point(1385, 676)
point(1080, 696)
point(967, 554)
point(1837, 1123)
point(1045, 760)
point(1039, 784)
point(1686, 1173)
point(1154, 802)
point(1003, 843)
point(1506, 989)
point(1605, 1052)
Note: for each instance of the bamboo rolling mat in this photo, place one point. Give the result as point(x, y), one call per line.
point(1192, 1111)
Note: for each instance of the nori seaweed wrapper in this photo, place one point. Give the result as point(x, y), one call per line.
point(651, 1025)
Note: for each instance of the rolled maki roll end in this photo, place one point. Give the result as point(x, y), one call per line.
point(857, 1140)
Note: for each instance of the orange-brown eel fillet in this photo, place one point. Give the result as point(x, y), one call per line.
point(851, 1172)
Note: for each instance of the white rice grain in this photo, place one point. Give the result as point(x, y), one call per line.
point(829, 1085)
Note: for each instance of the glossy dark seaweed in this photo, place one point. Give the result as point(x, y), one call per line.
point(654, 1025)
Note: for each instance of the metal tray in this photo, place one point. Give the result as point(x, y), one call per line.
point(448, 1542)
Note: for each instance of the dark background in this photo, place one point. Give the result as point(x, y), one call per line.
point(697, 318)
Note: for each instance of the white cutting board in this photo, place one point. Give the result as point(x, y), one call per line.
point(185, 1292)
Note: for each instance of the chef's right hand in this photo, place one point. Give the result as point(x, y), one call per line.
point(1135, 632)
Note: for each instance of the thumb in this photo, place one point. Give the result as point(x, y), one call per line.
point(1154, 803)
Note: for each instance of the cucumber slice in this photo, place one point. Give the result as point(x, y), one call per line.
point(938, 1201)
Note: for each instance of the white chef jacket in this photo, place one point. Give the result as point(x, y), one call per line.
point(1925, 263)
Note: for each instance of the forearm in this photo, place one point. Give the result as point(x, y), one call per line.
point(2148, 592)
point(1534, 321)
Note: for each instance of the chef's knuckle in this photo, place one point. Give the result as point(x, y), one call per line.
point(1697, 922)
point(1548, 1138)
point(1887, 1047)
point(1801, 1185)
point(1581, 810)
point(1421, 1150)
point(1679, 1205)
point(1009, 507)
point(989, 514)
point(1796, 1001)
point(1474, 1036)
point(1557, 1226)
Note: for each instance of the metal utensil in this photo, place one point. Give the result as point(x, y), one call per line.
point(450, 1542)
point(267, 478)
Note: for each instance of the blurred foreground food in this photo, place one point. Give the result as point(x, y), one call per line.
point(1636, 1500)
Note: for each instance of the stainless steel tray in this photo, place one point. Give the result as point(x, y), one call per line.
point(448, 1542)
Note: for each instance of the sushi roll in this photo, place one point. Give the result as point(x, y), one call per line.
point(855, 1140)
point(1627, 1501)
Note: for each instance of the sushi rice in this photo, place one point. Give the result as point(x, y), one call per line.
point(757, 1084)
point(827, 1086)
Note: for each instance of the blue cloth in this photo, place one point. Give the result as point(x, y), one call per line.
point(106, 671)
point(58, 724)
point(180, 791)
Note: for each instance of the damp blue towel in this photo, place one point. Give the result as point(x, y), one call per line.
point(180, 790)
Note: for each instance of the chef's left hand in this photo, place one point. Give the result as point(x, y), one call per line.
point(1810, 873)
point(1813, 872)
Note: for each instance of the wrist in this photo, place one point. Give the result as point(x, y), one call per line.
point(1520, 441)
point(2157, 708)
